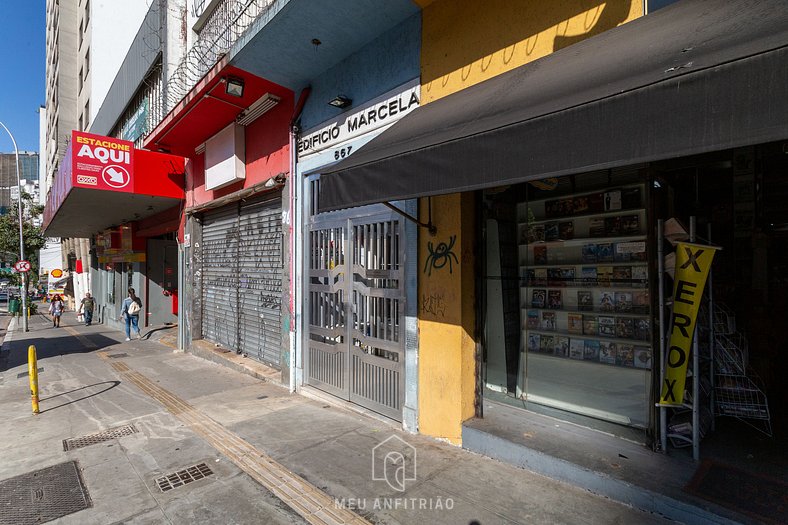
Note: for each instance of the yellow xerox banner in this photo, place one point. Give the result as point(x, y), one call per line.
point(693, 262)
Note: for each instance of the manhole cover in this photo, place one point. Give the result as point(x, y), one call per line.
point(98, 437)
point(43, 495)
point(182, 477)
point(115, 356)
point(24, 374)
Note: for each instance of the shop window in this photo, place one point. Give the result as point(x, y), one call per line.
point(568, 318)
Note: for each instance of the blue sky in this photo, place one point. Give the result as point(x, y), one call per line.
point(22, 63)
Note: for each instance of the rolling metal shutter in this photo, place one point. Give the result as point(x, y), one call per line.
point(242, 279)
point(260, 281)
point(220, 277)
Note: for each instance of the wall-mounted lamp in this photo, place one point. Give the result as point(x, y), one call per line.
point(234, 86)
point(340, 102)
point(277, 180)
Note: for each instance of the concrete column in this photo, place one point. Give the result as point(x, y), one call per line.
point(447, 346)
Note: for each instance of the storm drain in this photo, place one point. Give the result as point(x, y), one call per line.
point(43, 495)
point(99, 437)
point(115, 356)
point(182, 477)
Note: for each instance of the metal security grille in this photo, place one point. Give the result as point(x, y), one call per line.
point(242, 279)
point(98, 437)
point(220, 277)
point(43, 495)
point(260, 281)
point(356, 310)
point(183, 477)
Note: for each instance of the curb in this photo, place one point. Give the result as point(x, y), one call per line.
point(597, 483)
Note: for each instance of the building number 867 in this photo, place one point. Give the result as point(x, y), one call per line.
point(342, 153)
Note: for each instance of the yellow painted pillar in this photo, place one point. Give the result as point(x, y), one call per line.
point(447, 366)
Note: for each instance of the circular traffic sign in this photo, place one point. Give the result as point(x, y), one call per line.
point(22, 266)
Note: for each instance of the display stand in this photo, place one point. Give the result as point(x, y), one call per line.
point(738, 392)
point(687, 424)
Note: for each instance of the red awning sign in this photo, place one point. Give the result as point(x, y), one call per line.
point(102, 162)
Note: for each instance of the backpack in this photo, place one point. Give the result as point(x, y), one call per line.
point(134, 308)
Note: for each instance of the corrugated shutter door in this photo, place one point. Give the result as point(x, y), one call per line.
point(220, 277)
point(260, 280)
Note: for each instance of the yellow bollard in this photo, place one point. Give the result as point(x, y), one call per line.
point(32, 370)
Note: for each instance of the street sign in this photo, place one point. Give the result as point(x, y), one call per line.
point(22, 266)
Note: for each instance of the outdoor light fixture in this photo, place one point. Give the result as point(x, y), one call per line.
point(340, 102)
point(234, 86)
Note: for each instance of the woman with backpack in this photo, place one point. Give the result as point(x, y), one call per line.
point(132, 306)
point(56, 308)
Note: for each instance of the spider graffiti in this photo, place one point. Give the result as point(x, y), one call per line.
point(440, 256)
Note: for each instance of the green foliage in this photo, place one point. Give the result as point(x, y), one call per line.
point(33, 237)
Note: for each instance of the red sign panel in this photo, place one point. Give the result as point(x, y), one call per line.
point(102, 162)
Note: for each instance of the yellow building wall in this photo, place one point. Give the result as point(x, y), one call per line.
point(446, 317)
point(465, 42)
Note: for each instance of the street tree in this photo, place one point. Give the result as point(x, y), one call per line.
point(34, 239)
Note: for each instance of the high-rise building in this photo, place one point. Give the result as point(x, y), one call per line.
point(28, 174)
point(61, 81)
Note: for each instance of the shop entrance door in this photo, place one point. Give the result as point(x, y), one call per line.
point(356, 307)
point(162, 270)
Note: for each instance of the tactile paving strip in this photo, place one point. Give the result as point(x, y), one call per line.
point(98, 437)
point(42, 495)
point(182, 477)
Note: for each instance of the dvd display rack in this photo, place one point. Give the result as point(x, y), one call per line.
point(584, 277)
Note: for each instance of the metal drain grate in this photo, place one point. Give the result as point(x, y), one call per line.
point(43, 495)
point(99, 437)
point(24, 374)
point(115, 356)
point(182, 477)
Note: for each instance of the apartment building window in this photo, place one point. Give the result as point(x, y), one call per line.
point(87, 62)
point(81, 34)
point(81, 79)
point(87, 114)
point(87, 14)
point(80, 122)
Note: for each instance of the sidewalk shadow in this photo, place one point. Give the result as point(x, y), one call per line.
point(47, 347)
point(160, 328)
point(112, 384)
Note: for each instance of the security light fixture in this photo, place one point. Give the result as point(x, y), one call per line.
point(340, 102)
point(234, 86)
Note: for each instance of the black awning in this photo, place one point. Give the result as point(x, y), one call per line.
point(694, 77)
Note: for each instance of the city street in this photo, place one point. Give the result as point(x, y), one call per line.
point(271, 456)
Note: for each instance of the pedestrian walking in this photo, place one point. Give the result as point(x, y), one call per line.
point(56, 308)
point(86, 308)
point(132, 306)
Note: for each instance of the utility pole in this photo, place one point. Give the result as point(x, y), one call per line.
point(21, 235)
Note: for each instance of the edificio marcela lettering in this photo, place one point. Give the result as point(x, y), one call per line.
point(357, 122)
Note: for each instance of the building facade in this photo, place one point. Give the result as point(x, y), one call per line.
point(427, 209)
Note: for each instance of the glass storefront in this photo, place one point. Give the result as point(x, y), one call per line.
point(567, 306)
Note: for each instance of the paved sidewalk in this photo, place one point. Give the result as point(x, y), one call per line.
point(316, 458)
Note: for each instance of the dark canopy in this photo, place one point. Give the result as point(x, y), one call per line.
point(697, 76)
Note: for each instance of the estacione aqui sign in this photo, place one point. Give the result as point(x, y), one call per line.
point(102, 162)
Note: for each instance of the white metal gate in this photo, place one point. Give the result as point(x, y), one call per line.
point(242, 279)
point(356, 305)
